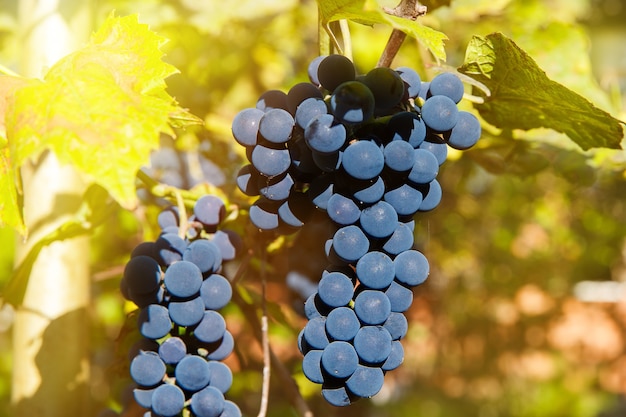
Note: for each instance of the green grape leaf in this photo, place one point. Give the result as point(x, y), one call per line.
point(10, 205)
point(523, 97)
point(101, 108)
point(368, 12)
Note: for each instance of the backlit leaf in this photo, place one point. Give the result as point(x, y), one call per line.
point(523, 97)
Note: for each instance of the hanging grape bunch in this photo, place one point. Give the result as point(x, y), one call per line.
point(176, 283)
point(366, 149)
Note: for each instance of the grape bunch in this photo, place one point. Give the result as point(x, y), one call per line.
point(176, 283)
point(366, 150)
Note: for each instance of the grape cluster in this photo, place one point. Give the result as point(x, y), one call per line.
point(365, 149)
point(176, 283)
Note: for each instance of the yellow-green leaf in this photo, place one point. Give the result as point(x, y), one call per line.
point(368, 12)
point(101, 108)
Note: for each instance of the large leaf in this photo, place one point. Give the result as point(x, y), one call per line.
point(523, 97)
point(368, 12)
point(101, 108)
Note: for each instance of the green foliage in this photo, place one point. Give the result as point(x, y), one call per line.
point(368, 12)
point(103, 106)
point(523, 97)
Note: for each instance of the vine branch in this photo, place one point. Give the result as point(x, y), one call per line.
point(407, 9)
point(288, 383)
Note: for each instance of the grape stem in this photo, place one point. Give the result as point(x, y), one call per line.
point(407, 9)
point(265, 392)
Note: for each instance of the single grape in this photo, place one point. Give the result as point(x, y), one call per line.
point(186, 312)
point(363, 160)
point(205, 255)
point(272, 99)
point(405, 199)
point(352, 102)
point(400, 297)
point(342, 324)
point(209, 210)
point(425, 168)
point(339, 359)
point(372, 307)
point(408, 127)
point(342, 210)
point(192, 373)
point(309, 109)
point(336, 395)
point(375, 270)
point(399, 156)
point(215, 292)
point(373, 344)
point(245, 126)
point(277, 188)
point(397, 325)
point(168, 400)
point(142, 275)
point(379, 220)
point(211, 328)
point(366, 381)
point(270, 161)
point(350, 243)
point(395, 358)
point(315, 333)
point(447, 84)
point(228, 242)
point(313, 67)
point(221, 376)
point(248, 180)
point(368, 191)
point(440, 113)
point(143, 396)
point(264, 214)
point(168, 218)
point(336, 289)
point(172, 350)
point(230, 410)
point(208, 402)
point(183, 279)
point(276, 125)
point(334, 70)
point(147, 369)
point(221, 349)
point(401, 240)
point(465, 133)
point(432, 196)
point(154, 321)
point(412, 81)
point(411, 268)
point(321, 190)
point(386, 85)
point(323, 135)
point(312, 366)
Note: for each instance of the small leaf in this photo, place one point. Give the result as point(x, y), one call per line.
point(10, 204)
point(523, 97)
point(94, 210)
point(363, 12)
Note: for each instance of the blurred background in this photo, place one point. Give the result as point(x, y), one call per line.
point(524, 312)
